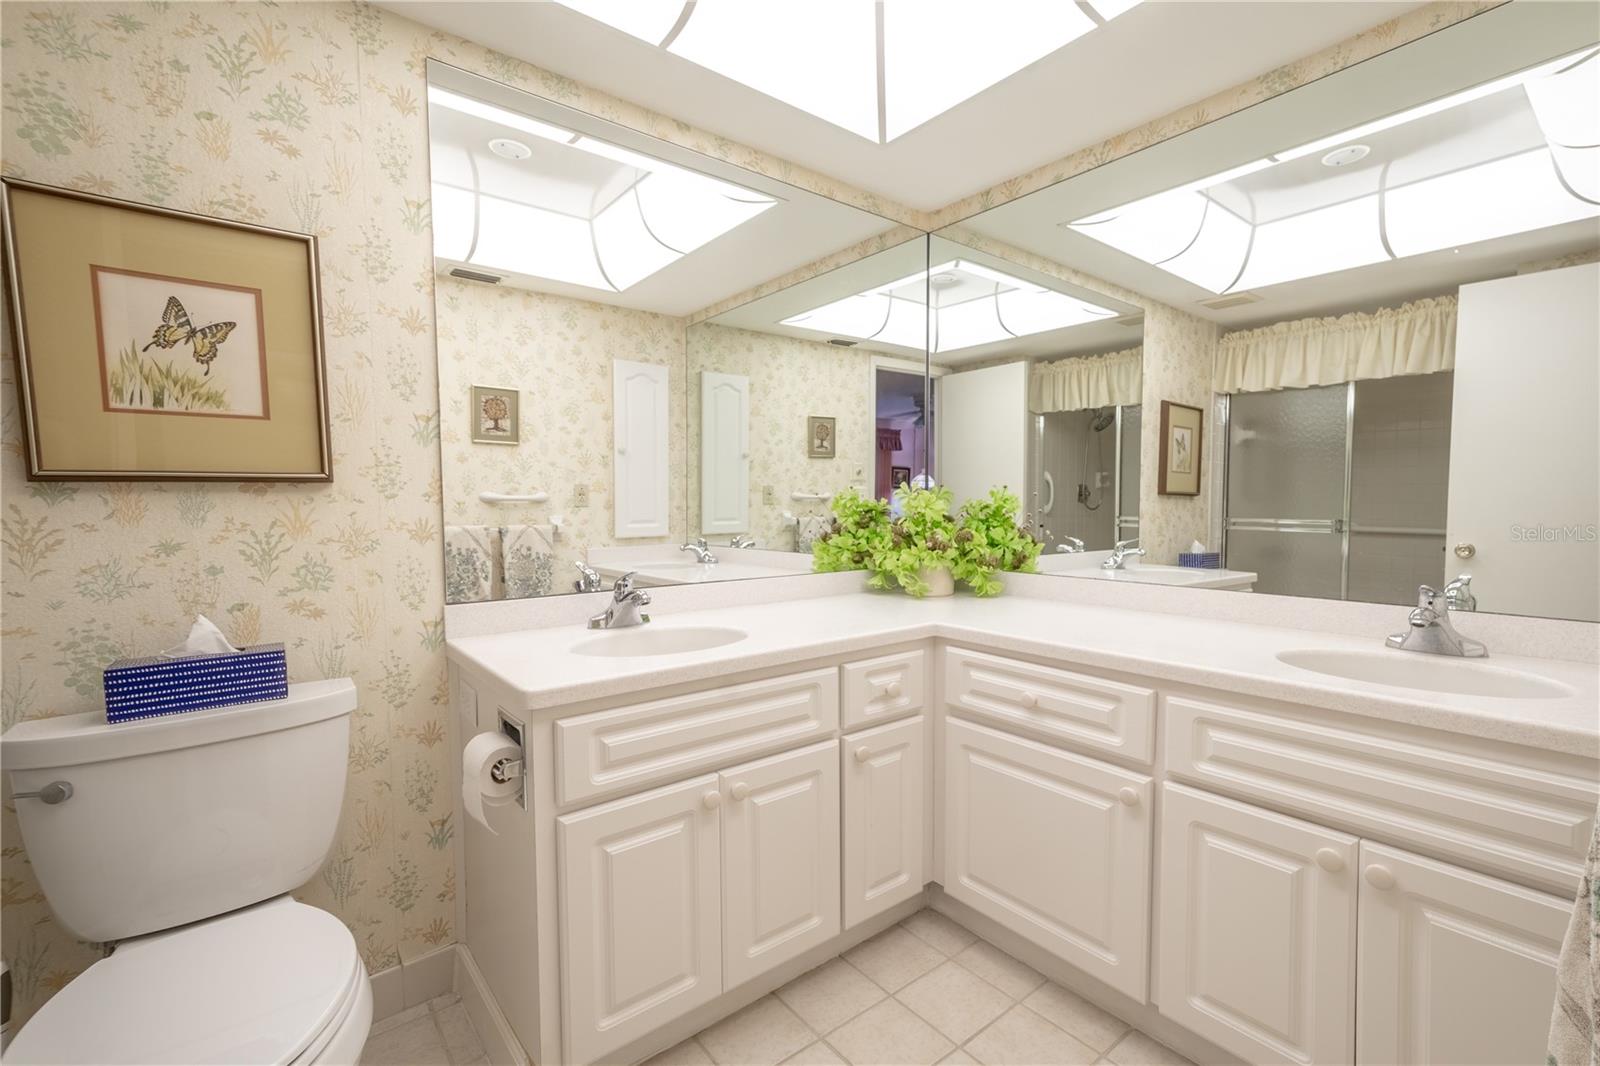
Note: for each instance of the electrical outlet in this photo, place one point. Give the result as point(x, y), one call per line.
point(580, 496)
point(768, 496)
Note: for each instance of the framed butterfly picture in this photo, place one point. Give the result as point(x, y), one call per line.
point(154, 344)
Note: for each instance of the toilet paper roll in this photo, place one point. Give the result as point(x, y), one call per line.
point(478, 786)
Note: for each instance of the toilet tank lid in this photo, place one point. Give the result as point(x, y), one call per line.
point(75, 739)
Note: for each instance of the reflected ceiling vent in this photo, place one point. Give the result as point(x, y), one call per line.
point(1233, 299)
point(840, 342)
point(474, 275)
point(1130, 321)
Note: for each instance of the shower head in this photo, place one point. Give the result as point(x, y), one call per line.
point(1103, 419)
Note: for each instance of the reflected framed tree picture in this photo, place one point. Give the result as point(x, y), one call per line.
point(154, 344)
point(1182, 428)
point(496, 415)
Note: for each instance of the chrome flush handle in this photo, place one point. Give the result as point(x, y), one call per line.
point(53, 793)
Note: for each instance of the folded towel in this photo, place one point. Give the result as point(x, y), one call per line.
point(528, 562)
point(808, 528)
point(469, 554)
point(1574, 1033)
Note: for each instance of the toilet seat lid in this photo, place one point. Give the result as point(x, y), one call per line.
point(254, 986)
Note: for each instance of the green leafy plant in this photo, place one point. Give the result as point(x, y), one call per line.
point(981, 540)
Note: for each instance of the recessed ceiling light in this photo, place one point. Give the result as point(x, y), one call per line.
point(1343, 157)
point(506, 148)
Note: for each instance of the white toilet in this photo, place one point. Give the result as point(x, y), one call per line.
point(179, 838)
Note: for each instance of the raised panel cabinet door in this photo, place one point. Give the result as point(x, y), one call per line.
point(724, 452)
point(1258, 930)
point(883, 771)
point(1453, 966)
point(641, 914)
point(780, 846)
point(640, 405)
point(1054, 846)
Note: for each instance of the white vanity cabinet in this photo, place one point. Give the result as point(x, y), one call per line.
point(641, 913)
point(1053, 845)
point(780, 858)
point(884, 775)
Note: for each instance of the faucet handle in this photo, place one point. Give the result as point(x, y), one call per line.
point(1124, 545)
point(1458, 594)
point(1426, 595)
point(623, 588)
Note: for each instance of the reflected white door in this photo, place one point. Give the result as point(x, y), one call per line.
point(641, 913)
point(1453, 967)
point(982, 427)
point(1258, 930)
point(781, 858)
point(724, 452)
point(1525, 443)
point(640, 411)
point(884, 771)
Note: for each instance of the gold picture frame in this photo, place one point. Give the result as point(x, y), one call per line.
point(1182, 448)
point(158, 345)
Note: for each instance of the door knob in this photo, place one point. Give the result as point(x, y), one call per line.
point(1465, 551)
point(739, 790)
point(892, 690)
point(1330, 860)
point(863, 753)
point(1129, 796)
point(1380, 876)
point(712, 800)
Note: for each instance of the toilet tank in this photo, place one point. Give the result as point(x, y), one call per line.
point(178, 818)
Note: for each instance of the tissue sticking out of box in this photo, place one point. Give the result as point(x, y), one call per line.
point(204, 639)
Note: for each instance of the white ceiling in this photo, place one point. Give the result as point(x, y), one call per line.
point(1138, 67)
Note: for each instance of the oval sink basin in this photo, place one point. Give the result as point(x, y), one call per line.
point(1428, 673)
point(647, 640)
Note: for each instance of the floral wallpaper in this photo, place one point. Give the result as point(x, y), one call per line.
point(790, 380)
point(557, 351)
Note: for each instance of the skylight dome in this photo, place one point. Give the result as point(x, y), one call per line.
point(972, 305)
point(563, 206)
point(878, 68)
point(1511, 156)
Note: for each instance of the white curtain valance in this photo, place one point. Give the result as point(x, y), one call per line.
point(1115, 379)
point(1414, 338)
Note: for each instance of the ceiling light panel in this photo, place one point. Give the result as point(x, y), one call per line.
point(1515, 155)
point(878, 68)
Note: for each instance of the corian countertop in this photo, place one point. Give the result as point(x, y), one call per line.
point(1229, 656)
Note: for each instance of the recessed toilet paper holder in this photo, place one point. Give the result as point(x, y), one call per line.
point(508, 769)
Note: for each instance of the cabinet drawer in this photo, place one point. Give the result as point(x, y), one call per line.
point(877, 690)
point(1528, 813)
point(643, 743)
point(1051, 703)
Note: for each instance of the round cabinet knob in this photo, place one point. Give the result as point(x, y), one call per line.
point(1330, 860)
point(739, 790)
point(1380, 876)
point(863, 754)
point(892, 690)
point(712, 800)
point(1029, 700)
point(1465, 551)
point(1129, 796)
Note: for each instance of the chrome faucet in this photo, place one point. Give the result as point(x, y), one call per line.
point(623, 610)
point(1430, 630)
point(742, 540)
point(588, 578)
point(1458, 594)
point(1070, 545)
point(1120, 553)
point(702, 550)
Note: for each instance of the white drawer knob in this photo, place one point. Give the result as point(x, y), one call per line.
point(739, 790)
point(1129, 796)
point(712, 800)
point(1330, 860)
point(1380, 876)
point(1029, 700)
point(863, 754)
point(892, 690)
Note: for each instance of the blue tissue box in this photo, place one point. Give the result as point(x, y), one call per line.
point(1201, 560)
point(154, 686)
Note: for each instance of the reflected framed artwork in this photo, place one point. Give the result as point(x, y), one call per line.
point(154, 344)
point(496, 415)
point(899, 475)
point(1181, 430)
point(819, 437)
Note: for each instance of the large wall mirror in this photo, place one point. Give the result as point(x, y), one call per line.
point(595, 417)
point(1368, 356)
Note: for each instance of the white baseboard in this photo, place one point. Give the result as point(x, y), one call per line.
point(405, 986)
point(500, 1043)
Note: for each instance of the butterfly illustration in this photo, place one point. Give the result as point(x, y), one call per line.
point(176, 328)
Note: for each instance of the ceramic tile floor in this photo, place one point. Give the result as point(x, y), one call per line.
point(925, 991)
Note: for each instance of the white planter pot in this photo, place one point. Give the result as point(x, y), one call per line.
point(940, 581)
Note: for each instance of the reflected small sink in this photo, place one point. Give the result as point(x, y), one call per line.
point(1429, 673)
point(646, 640)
